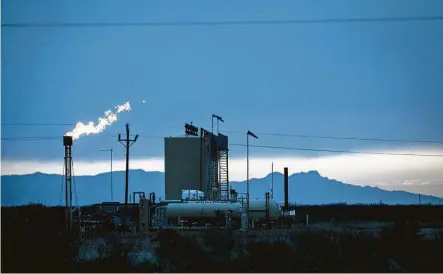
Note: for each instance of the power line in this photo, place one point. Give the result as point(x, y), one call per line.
point(228, 131)
point(340, 151)
point(242, 132)
point(66, 124)
point(35, 124)
point(339, 138)
point(36, 138)
point(140, 136)
point(29, 138)
point(272, 147)
point(225, 23)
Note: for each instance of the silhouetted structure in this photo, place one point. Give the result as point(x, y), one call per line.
point(286, 187)
point(127, 144)
point(67, 143)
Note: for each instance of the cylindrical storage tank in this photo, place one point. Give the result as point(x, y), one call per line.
point(163, 202)
point(274, 210)
point(204, 210)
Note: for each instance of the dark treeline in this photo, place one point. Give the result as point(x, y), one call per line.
point(380, 213)
point(317, 213)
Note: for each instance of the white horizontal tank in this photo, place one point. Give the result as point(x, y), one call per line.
point(196, 209)
point(201, 209)
point(274, 210)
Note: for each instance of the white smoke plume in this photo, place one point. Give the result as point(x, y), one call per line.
point(92, 128)
point(125, 107)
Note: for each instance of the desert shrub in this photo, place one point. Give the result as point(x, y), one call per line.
point(182, 254)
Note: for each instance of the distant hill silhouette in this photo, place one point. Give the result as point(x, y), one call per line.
point(304, 188)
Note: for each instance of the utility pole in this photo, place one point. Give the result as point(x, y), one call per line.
point(127, 144)
point(249, 133)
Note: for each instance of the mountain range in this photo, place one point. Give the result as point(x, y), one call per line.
point(304, 188)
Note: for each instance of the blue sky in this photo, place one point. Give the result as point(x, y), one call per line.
point(375, 80)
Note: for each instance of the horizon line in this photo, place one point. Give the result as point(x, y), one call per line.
point(235, 182)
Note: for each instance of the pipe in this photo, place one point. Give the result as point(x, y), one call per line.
point(286, 186)
point(170, 202)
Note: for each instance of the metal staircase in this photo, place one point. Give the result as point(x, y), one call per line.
point(213, 174)
point(223, 171)
point(217, 166)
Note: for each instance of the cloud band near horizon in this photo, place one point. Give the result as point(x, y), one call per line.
point(410, 173)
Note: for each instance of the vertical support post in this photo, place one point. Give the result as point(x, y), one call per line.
point(247, 180)
point(127, 144)
point(247, 169)
point(219, 187)
point(127, 165)
point(149, 210)
point(286, 182)
point(209, 167)
point(272, 181)
point(227, 173)
point(211, 180)
point(66, 188)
